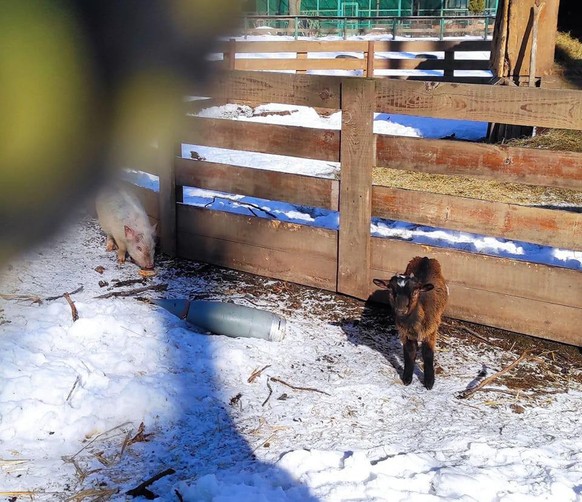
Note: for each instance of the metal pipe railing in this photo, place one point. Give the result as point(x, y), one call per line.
point(340, 24)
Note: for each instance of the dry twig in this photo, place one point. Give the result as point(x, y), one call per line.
point(142, 489)
point(140, 436)
point(270, 392)
point(19, 494)
point(96, 438)
point(263, 443)
point(294, 387)
point(77, 382)
point(93, 494)
point(129, 282)
point(131, 292)
point(22, 298)
point(469, 392)
point(74, 312)
point(476, 335)
point(250, 206)
point(51, 298)
point(257, 373)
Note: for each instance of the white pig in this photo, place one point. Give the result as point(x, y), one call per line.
point(124, 220)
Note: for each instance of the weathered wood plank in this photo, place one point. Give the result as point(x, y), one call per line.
point(357, 160)
point(348, 64)
point(271, 248)
point(554, 108)
point(530, 317)
point(290, 46)
point(430, 64)
point(264, 87)
point(502, 163)
point(290, 64)
point(432, 45)
point(273, 185)
point(465, 79)
point(304, 142)
point(257, 46)
point(517, 296)
point(549, 227)
point(499, 275)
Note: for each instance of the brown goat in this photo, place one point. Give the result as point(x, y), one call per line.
point(418, 299)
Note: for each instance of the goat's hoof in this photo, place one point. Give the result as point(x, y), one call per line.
point(429, 383)
point(407, 380)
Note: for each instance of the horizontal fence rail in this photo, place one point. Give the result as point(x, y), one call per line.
point(370, 58)
point(551, 108)
point(520, 296)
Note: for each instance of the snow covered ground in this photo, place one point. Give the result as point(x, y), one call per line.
point(74, 394)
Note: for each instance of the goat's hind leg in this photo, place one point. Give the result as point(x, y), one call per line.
point(428, 358)
point(410, 347)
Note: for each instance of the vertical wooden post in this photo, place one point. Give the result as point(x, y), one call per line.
point(357, 156)
point(167, 198)
point(301, 55)
point(370, 55)
point(518, 24)
point(230, 55)
point(512, 39)
point(449, 72)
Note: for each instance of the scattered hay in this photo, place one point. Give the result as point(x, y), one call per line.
point(552, 139)
point(568, 51)
point(477, 188)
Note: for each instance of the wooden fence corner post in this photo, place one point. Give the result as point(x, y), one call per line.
point(357, 157)
point(167, 198)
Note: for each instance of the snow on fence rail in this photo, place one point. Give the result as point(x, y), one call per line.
point(366, 58)
point(520, 296)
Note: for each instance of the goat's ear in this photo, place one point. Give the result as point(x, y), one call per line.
point(381, 284)
point(426, 287)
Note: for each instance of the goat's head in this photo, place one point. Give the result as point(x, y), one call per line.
point(403, 292)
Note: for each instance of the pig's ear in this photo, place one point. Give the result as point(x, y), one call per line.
point(129, 232)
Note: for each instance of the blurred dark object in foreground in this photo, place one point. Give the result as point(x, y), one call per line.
point(87, 87)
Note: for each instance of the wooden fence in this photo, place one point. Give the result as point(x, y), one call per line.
point(370, 58)
point(520, 296)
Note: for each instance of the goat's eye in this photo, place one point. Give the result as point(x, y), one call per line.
point(139, 248)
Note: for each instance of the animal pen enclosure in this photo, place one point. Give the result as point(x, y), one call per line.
point(369, 58)
point(519, 296)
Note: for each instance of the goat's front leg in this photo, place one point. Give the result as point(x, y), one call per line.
point(410, 347)
point(428, 358)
